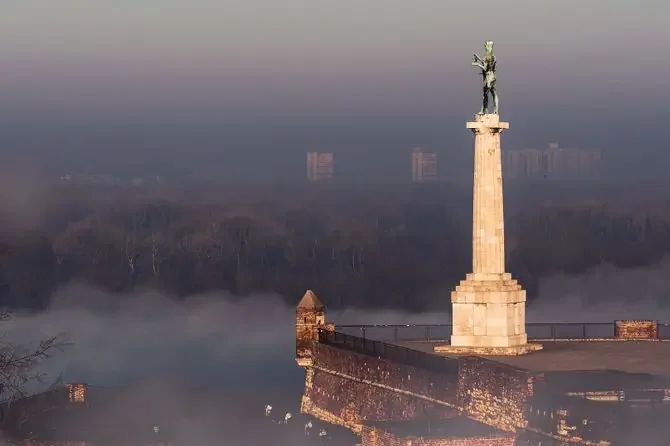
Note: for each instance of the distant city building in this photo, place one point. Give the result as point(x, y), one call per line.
point(554, 162)
point(319, 166)
point(424, 166)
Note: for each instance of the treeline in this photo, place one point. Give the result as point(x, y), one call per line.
point(376, 247)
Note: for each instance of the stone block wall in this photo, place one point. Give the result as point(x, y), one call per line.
point(360, 387)
point(631, 329)
point(355, 402)
point(494, 394)
point(440, 386)
point(378, 437)
point(308, 323)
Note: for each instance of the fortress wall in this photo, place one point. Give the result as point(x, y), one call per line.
point(303, 348)
point(441, 386)
point(636, 329)
point(489, 392)
point(378, 437)
point(352, 403)
point(494, 394)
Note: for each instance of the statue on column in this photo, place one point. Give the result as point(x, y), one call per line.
point(488, 67)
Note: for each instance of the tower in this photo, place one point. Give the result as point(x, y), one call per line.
point(488, 307)
point(310, 316)
point(424, 166)
point(320, 166)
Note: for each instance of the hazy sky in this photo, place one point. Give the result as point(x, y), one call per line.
point(222, 79)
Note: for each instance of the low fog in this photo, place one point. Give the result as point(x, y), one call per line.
point(231, 341)
point(235, 355)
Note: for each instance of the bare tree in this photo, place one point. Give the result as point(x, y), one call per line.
point(19, 365)
point(130, 251)
point(157, 252)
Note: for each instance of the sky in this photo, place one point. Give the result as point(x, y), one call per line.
point(201, 83)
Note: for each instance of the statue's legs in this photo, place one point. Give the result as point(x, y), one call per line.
point(485, 101)
point(494, 93)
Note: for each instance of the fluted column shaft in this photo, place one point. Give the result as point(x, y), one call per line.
point(488, 225)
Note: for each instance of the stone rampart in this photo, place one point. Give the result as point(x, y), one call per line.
point(636, 330)
point(357, 387)
point(379, 437)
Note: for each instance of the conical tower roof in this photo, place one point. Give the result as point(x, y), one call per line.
point(310, 302)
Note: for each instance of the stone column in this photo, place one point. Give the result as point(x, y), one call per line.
point(488, 224)
point(488, 307)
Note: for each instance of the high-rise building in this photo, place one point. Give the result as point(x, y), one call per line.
point(319, 166)
point(554, 162)
point(424, 166)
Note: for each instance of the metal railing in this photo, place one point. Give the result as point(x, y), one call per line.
point(384, 332)
point(664, 331)
point(391, 352)
point(397, 353)
point(536, 331)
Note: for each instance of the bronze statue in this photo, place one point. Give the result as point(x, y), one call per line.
point(488, 67)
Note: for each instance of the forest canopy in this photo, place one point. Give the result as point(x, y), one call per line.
point(385, 246)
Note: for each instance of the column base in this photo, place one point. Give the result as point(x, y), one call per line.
point(488, 341)
point(489, 317)
point(517, 350)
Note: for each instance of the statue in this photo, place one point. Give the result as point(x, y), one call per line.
point(488, 67)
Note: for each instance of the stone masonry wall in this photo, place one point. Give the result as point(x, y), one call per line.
point(378, 437)
point(308, 322)
point(632, 329)
point(440, 386)
point(494, 394)
point(354, 402)
point(484, 390)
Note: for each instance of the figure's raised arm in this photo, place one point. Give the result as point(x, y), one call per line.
point(477, 61)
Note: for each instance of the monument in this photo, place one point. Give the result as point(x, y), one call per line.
point(488, 307)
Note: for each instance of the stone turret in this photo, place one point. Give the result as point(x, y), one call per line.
point(310, 316)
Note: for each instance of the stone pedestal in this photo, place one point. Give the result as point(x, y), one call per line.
point(489, 307)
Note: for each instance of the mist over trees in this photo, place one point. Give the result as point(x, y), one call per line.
point(387, 246)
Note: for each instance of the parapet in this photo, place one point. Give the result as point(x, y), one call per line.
point(636, 330)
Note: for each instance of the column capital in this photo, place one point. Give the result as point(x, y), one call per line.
point(488, 123)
